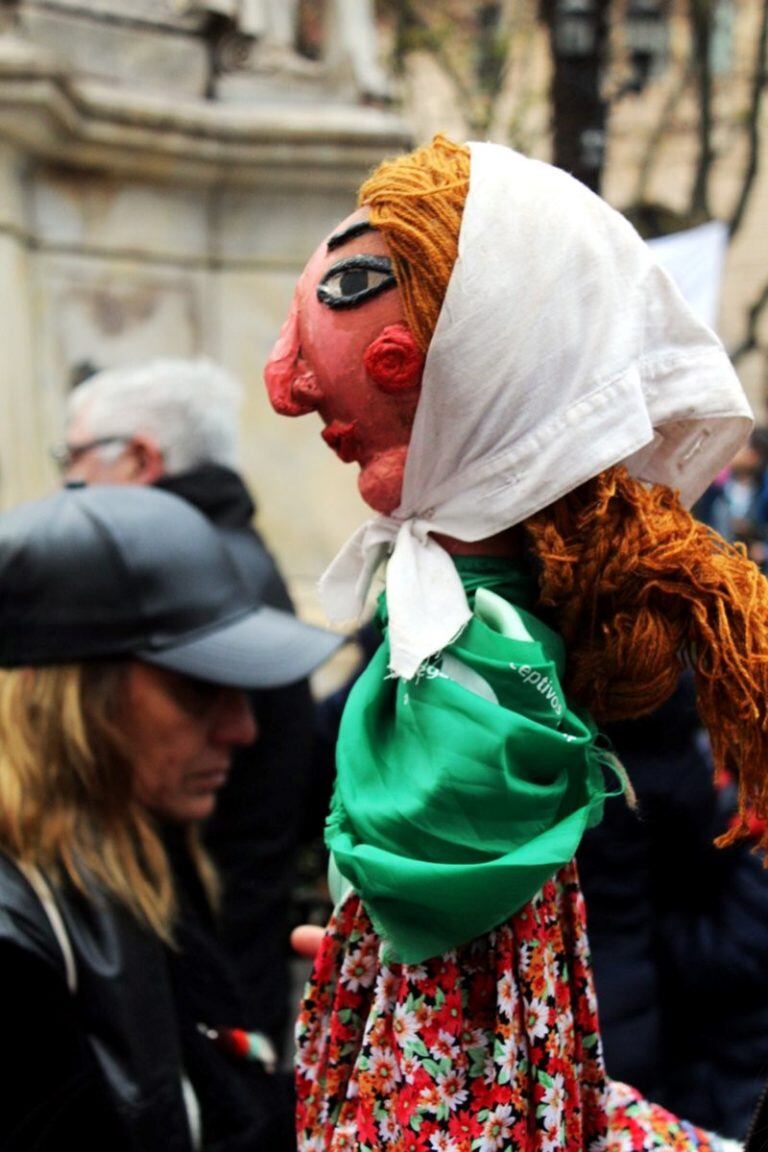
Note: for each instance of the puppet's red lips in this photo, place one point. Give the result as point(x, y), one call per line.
point(341, 436)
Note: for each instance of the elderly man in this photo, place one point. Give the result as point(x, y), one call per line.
point(173, 424)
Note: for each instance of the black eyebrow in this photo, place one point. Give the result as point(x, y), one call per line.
point(350, 233)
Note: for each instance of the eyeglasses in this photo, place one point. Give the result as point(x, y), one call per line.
point(65, 455)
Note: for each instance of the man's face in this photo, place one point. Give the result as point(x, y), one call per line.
point(97, 459)
point(346, 352)
point(184, 732)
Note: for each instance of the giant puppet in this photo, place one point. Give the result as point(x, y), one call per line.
point(532, 407)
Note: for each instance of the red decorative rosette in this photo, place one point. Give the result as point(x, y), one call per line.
point(394, 361)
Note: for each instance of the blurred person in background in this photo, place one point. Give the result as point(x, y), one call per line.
point(127, 638)
point(174, 424)
point(736, 504)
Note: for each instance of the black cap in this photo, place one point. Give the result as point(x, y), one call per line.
point(111, 571)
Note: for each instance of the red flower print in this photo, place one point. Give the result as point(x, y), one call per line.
point(491, 1047)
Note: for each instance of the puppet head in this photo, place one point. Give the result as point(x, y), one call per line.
point(554, 345)
point(346, 353)
point(353, 346)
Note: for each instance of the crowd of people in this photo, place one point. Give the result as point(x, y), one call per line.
point(561, 705)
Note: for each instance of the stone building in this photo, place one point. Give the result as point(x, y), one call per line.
point(166, 166)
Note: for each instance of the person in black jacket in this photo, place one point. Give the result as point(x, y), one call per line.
point(173, 424)
point(127, 638)
point(678, 928)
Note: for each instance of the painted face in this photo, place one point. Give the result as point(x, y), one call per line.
point(346, 352)
point(184, 732)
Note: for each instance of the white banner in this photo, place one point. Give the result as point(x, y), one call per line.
point(694, 259)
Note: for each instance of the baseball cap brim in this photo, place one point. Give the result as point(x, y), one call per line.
point(265, 648)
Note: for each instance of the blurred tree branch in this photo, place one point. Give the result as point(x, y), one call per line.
point(660, 128)
point(579, 43)
point(759, 77)
point(470, 42)
point(701, 14)
point(749, 341)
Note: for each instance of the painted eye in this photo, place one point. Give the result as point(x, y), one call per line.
point(355, 279)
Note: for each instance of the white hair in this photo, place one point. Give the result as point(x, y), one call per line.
point(189, 407)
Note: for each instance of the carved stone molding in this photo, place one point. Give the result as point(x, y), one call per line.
point(92, 124)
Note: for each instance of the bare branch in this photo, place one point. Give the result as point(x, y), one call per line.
point(418, 28)
point(749, 341)
point(659, 131)
point(578, 45)
point(701, 27)
point(759, 77)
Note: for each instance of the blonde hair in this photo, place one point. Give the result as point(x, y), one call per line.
point(66, 802)
point(636, 586)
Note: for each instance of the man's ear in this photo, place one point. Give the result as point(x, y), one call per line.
point(147, 458)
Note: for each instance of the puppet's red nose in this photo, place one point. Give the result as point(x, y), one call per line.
point(293, 389)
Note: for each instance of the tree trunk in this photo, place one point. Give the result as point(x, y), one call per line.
point(578, 35)
point(702, 13)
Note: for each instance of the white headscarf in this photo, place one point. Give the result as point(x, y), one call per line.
point(561, 348)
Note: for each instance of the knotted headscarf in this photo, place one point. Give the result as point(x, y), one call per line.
point(561, 348)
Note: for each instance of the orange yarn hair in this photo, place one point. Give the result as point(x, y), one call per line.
point(638, 588)
point(635, 585)
point(416, 202)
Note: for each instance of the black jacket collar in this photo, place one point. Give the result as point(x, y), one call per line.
point(219, 492)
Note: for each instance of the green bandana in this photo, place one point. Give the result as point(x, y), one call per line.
point(460, 792)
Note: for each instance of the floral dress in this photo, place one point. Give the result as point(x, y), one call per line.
point(490, 1047)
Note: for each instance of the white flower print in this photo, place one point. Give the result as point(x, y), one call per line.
point(389, 1129)
point(409, 1066)
point(383, 1070)
point(496, 1130)
point(537, 1014)
point(359, 969)
point(386, 991)
point(507, 1057)
point(552, 1107)
point(314, 1143)
point(405, 1026)
point(442, 1142)
point(307, 1061)
point(415, 973)
point(507, 995)
point(452, 1090)
point(445, 1045)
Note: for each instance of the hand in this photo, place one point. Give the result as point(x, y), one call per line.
point(306, 940)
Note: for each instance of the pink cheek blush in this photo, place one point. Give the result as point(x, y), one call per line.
point(394, 361)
